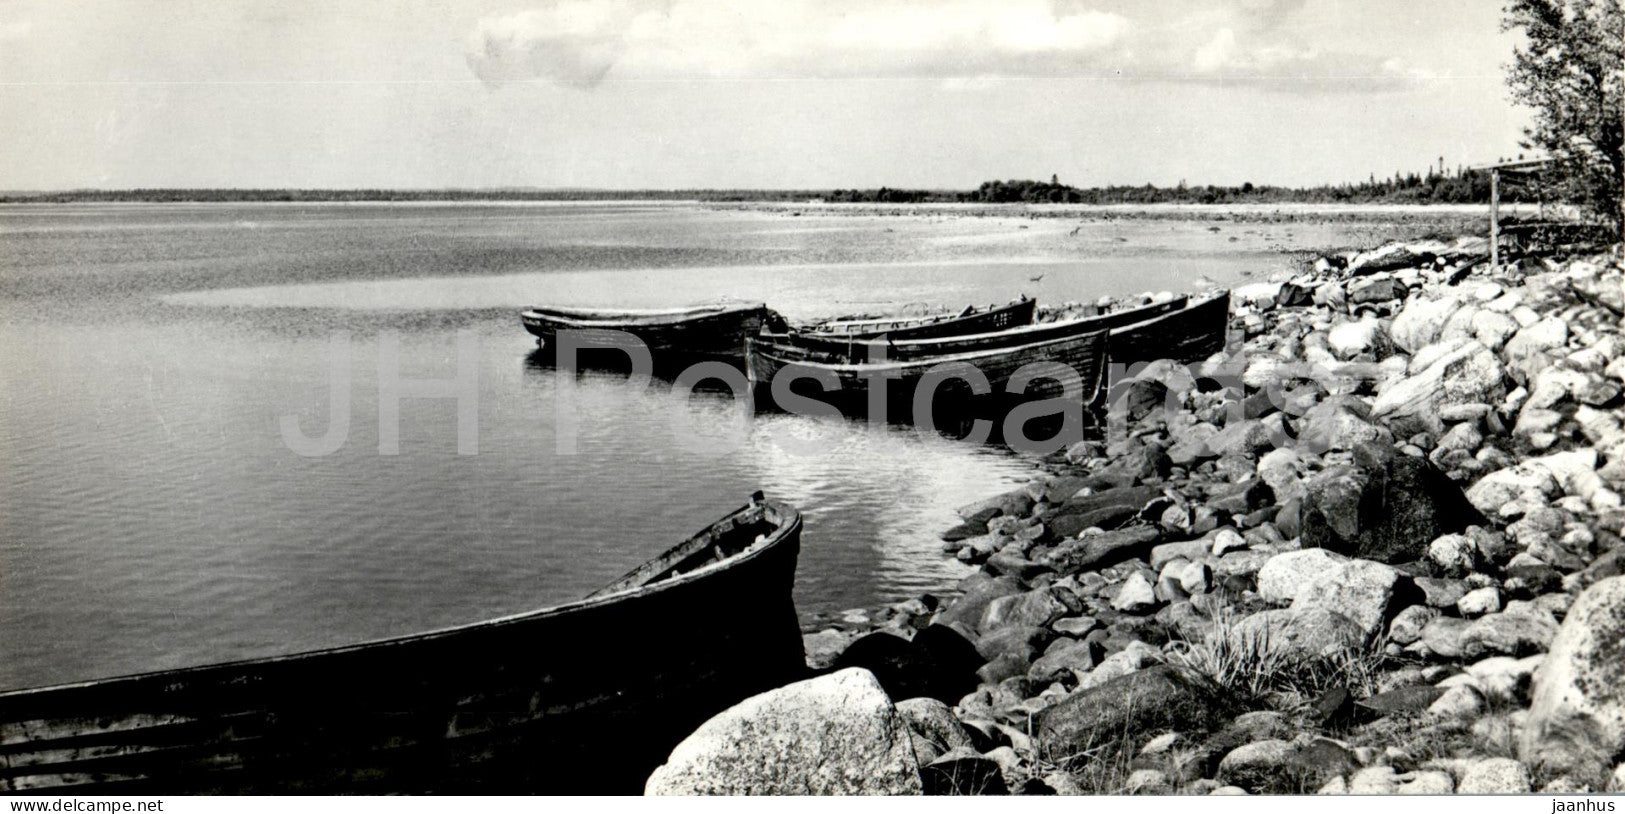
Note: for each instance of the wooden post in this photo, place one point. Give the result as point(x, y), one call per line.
point(1495, 219)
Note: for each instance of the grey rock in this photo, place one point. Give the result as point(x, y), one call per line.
point(1309, 632)
point(1508, 633)
point(1577, 715)
point(1495, 775)
point(1409, 623)
point(1261, 767)
point(932, 727)
point(1360, 590)
point(1287, 574)
point(1163, 697)
point(836, 734)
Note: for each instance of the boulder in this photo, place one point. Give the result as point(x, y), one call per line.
point(1467, 374)
point(1261, 767)
point(1453, 555)
point(976, 592)
point(1360, 590)
point(1339, 424)
point(1421, 322)
point(1035, 608)
point(1577, 713)
point(1393, 256)
point(834, 735)
point(906, 668)
point(1352, 339)
point(1064, 660)
point(1306, 633)
point(1494, 775)
point(1408, 624)
point(1512, 632)
point(1282, 469)
point(1163, 697)
point(1375, 290)
point(1285, 575)
point(1015, 503)
point(1105, 509)
point(963, 772)
point(1137, 595)
point(1518, 483)
point(1527, 350)
point(932, 728)
point(823, 647)
point(1384, 507)
point(1101, 549)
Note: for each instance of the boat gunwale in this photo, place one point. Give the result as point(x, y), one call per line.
point(754, 345)
point(1189, 307)
point(789, 523)
point(840, 327)
point(621, 317)
point(924, 344)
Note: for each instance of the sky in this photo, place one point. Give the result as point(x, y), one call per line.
point(803, 94)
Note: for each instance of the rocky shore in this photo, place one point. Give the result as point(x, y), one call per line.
point(1375, 547)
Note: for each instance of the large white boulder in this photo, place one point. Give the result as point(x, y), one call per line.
point(834, 735)
point(1577, 714)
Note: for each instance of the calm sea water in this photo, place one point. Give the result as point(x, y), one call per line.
point(152, 517)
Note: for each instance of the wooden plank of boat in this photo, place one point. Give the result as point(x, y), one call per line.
point(1186, 336)
point(709, 331)
point(1083, 358)
point(584, 697)
point(969, 321)
point(827, 348)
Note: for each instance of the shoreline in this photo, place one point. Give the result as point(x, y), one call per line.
point(1219, 550)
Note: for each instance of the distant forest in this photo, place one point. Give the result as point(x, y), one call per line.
point(1434, 186)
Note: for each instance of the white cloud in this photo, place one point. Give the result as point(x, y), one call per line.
point(583, 42)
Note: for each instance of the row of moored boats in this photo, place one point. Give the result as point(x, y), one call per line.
point(996, 340)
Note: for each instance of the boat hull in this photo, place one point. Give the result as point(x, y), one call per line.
point(1079, 361)
point(585, 698)
point(699, 335)
point(1186, 336)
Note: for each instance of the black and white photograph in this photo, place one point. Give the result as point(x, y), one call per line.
point(1198, 398)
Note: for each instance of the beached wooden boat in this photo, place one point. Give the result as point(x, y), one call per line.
point(586, 697)
point(972, 320)
point(709, 331)
point(819, 347)
point(1187, 336)
point(1082, 358)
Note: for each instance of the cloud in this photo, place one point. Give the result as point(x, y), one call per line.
point(574, 42)
point(964, 43)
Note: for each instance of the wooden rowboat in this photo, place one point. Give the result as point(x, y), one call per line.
point(584, 697)
point(1186, 336)
point(711, 331)
point(1082, 361)
point(815, 347)
point(972, 320)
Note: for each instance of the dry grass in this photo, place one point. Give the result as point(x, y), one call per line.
point(1263, 671)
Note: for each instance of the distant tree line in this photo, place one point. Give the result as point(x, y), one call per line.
point(1436, 185)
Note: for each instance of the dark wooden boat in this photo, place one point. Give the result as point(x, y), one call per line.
point(586, 697)
point(818, 347)
point(1187, 336)
point(1083, 358)
point(710, 331)
point(972, 320)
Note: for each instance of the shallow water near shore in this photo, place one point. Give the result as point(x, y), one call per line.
point(151, 515)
